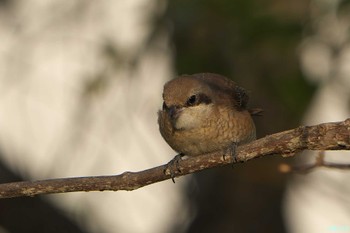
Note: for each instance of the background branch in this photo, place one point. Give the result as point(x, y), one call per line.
point(327, 136)
point(319, 162)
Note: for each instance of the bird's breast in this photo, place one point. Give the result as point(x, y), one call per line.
point(205, 130)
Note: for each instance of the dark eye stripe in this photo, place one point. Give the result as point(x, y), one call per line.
point(202, 98)
point(191, 101)
point(198, 99)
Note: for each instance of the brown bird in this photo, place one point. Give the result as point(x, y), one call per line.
point(204, 113)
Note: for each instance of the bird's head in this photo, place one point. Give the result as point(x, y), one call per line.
point(188, 101)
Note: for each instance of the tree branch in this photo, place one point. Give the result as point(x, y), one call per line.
point(327, 136)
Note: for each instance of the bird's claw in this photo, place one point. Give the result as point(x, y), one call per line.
point(231, 150)
point(173, 166)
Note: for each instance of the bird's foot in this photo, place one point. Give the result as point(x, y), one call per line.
point(231, 151)
point(173, 166)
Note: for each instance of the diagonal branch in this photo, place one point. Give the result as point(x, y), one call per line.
point(327, 136)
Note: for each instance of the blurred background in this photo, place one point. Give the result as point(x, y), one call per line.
point(81, 83)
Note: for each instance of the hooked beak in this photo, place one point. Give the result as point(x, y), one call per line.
point(174, 112)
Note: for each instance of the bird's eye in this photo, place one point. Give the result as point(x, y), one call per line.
point(164, 106)
point(192, 100)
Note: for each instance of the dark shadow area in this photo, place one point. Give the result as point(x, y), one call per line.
point(242, 198)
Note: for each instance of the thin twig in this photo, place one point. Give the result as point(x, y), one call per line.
point(327, 136)
point(319, 162)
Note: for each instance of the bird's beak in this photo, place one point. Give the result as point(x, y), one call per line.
point(174, 112)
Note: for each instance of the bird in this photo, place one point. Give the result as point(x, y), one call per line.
point(203, 113)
